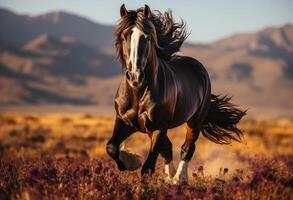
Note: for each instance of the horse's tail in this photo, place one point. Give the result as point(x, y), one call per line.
point(222, 118)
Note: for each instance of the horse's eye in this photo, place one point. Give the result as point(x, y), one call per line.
point(123, 38)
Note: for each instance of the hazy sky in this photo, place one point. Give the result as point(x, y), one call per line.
point(207, 20)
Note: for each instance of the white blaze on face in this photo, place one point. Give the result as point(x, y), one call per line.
point(134, 42)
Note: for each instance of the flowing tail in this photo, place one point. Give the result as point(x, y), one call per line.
point(220, 123)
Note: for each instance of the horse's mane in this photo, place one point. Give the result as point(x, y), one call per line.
point(168, 35)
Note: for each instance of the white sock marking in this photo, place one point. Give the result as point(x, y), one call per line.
point(170, 169)
point(181, 174)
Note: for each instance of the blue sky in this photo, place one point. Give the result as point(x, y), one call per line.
point(207, 20)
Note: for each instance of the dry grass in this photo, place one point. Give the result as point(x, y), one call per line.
point(60, 156)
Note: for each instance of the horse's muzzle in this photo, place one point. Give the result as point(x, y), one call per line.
point(135, 78)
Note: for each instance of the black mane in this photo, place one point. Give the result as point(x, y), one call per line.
point(168, 35)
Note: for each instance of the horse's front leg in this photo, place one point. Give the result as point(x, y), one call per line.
point(129, 116)
point(120, 133)
point(157, 141)
point(167, 153)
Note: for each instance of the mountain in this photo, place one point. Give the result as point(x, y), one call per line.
point(17, 30)
point(63, 59)
point(50, 70)
point(70, 58)
point(55, 58)
point(256, 68)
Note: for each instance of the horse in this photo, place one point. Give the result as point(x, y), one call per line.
point(161, 90)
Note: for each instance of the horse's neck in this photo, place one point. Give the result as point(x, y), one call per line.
point(162, 69)
point(157, 67)
point(137, 93)
point(155, 85)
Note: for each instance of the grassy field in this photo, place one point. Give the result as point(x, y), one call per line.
point(61, 156)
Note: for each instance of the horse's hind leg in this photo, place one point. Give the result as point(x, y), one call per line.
point(187, 150)
point(167, 154)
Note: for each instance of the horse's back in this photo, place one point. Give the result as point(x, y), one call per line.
point(193, 85)
point(183, 64)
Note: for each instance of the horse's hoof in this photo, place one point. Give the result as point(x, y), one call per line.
point(168, 180)
point(175, 180)
point(121, 166)
point(179, 181)
point(131, 161)
point(111, 150)
point(146, 172)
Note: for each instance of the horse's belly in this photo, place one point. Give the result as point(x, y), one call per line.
point(181, 117)
point(186, 107)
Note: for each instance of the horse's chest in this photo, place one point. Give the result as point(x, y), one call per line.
point(144, 114)
point(145, 117)
point(148, 113)
point(145, 110)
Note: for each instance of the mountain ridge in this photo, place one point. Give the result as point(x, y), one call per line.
point(29, 27)
point(49, 67)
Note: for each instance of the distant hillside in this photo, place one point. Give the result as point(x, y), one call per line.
point(256, 68)
point(53, 70)
point(17, 30)
point(60, 58)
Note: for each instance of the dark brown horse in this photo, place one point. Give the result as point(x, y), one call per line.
point(161, 90)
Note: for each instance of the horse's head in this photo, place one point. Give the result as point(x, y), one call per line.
point(137, 35)
point(141, 37)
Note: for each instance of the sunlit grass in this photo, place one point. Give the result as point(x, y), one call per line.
point(63, 155)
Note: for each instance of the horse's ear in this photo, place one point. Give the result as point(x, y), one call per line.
point(147, 11)
point(123, 11)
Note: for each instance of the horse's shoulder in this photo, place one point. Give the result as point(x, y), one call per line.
point(122, 87)
point(123, 94)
